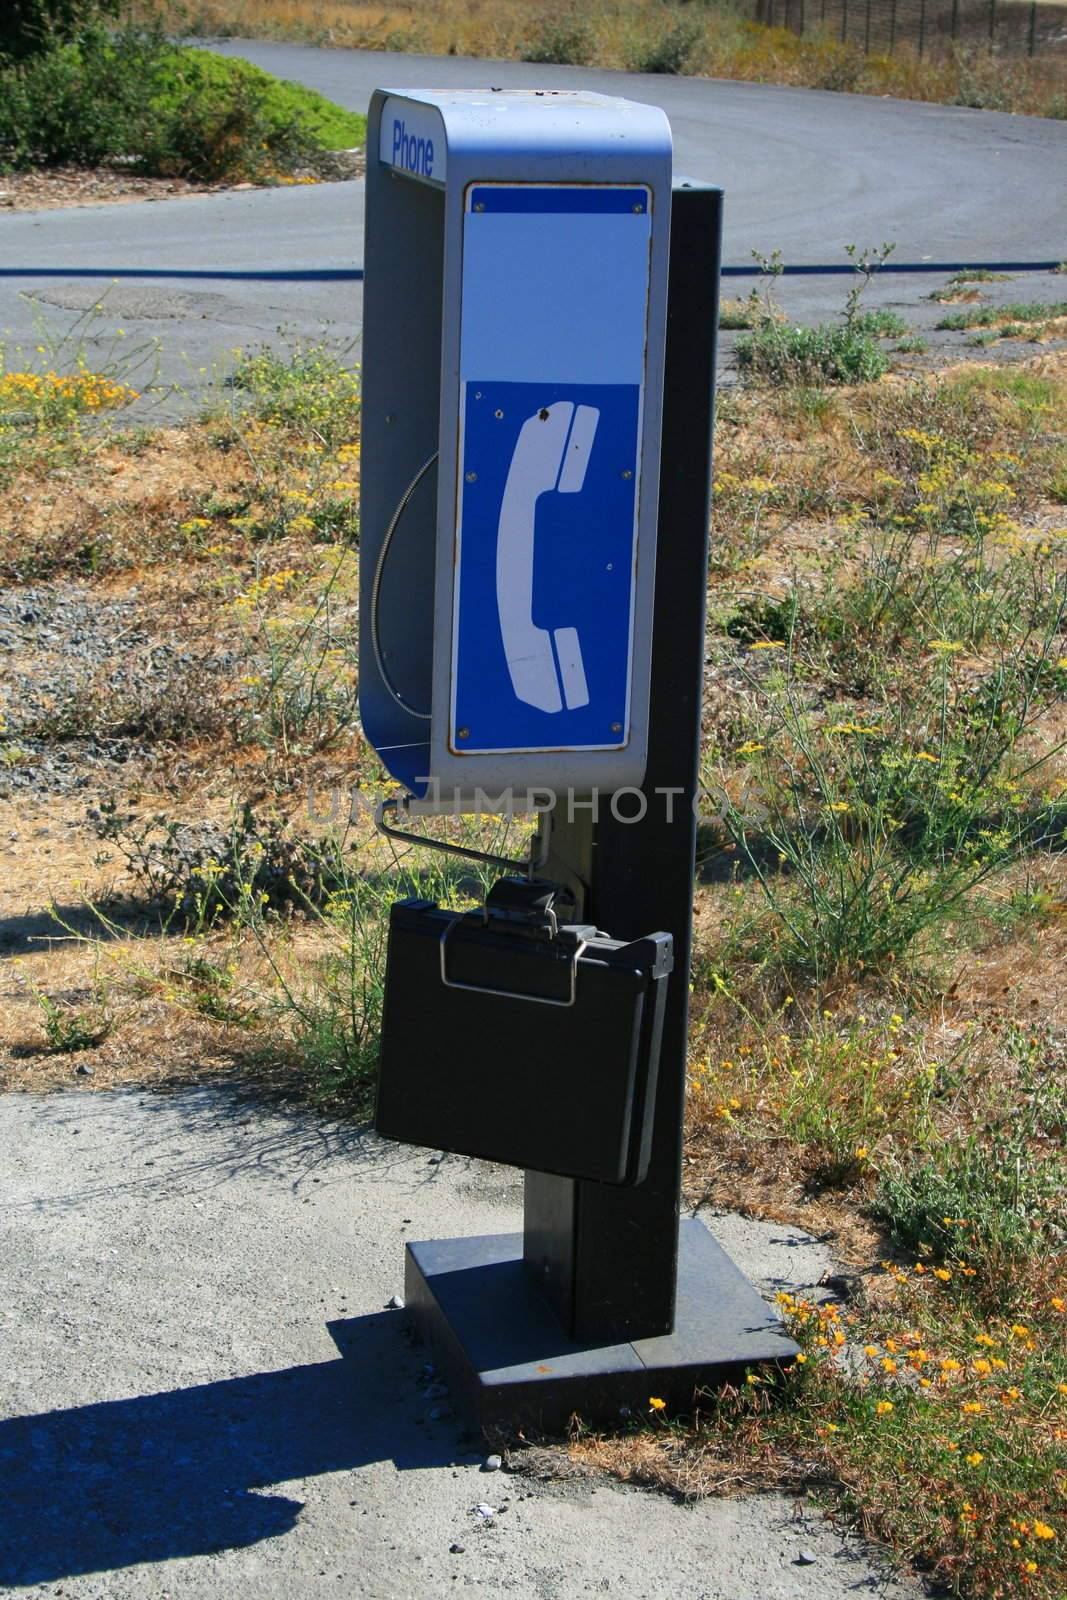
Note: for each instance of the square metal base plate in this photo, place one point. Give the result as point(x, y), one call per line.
point(509, 1363)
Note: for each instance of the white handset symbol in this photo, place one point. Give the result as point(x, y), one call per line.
point(551, 453)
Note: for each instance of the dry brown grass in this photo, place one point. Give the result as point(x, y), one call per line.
point(634, 34)
point(222, 538)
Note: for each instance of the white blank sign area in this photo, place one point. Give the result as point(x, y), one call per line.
point(554, 297)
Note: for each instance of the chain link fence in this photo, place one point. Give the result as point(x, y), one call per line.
point(929, 27)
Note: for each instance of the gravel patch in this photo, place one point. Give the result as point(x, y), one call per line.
point(79, 670)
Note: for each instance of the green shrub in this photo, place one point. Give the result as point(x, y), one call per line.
point(810, 356)
point(29, 27)
point(187, 73)
point(174, 112)
point(868, 830)
point(75, 103)
point(669, 50)
point(560, 41)
point(196, 874)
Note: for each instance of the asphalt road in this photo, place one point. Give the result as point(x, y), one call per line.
point(805, 172)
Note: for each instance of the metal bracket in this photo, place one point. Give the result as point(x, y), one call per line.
point(538, 852)
point(513, 994)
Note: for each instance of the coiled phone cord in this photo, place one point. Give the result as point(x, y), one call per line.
point(376, 589)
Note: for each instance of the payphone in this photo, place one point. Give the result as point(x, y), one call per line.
point(540, 314)
point(514, 314)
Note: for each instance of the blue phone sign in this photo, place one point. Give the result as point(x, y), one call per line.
point(546, 566)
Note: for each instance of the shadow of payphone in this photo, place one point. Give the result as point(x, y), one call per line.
point(540, 309)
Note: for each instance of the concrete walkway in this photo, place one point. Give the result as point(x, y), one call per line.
point(204, 1393)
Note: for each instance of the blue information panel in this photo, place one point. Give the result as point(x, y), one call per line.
point(552, 368)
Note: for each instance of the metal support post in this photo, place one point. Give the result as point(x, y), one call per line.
point(605, 1299)
point(606, 1257)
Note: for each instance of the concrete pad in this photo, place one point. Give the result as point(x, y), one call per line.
point(204, 1393)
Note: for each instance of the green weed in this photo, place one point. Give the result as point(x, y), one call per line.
point(1020, 312)
point(212, 988)
point(957, 286)
point(304, 696)
point(880, 324)
point(868, 831)
point(70, 1029)
point(667, 49)
point(828, 354)
point(306, 388)
point(810, 356)
point(743, 312)
point(989, 1203)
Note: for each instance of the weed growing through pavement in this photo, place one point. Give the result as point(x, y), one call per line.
point(1030, 317)
point(782, 353)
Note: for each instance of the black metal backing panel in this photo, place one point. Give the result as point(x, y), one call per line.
point(608, 1257)
point(520, 1075)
